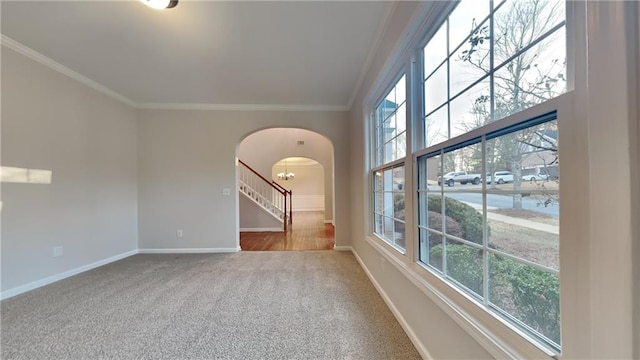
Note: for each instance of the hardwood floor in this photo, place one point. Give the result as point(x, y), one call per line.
point(308, 232)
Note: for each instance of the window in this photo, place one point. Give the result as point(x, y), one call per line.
point(390, 118)
point(491, 59)
point(498, 240)
point(388, 205)
point(485, 218)
point(388, 179)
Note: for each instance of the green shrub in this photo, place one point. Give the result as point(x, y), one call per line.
point(464, 264)
point(469, 218)
point(535, 294)
point(531, 295)
point(435, 222)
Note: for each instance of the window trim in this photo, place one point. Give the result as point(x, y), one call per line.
point(499, 339)
point(494, 333)
point(513, 124)
point(373, 148)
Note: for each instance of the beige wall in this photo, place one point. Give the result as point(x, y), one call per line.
point(254, 218)
point(188, 157)
point(635, 154)
point(88, 141)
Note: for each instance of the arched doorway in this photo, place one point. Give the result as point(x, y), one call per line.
point(309, 156)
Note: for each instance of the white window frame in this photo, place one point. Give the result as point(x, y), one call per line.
point(496, 336)
point(373, 121)
point(489, 76)
point(552, 105)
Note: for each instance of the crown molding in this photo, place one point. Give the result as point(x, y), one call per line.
point(240, 107)
point(44, 60)
point(382, 29)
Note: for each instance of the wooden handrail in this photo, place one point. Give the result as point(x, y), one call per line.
point(279, 188)
point(288, 206)
point(290, 192)
point(278, 185)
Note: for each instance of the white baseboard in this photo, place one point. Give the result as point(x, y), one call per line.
point(407, 328)
point(189, 251)
point(51, 279)
point(343, 248)
point(261, 230)
point(329, 222)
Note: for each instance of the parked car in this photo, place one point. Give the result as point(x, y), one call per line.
point(459, 176)
point(535, 177)
point(501, 177)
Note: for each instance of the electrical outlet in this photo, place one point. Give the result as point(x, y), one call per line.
point(179, 233)
point(58, 251)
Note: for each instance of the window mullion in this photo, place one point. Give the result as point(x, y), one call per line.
point(444, 216)
point(448, 83)
point(492, 104)
point(485, 225)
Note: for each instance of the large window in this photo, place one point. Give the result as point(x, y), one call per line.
point(497, 239)
point(488, 207)
point(485, 169)
point(491, 59)
point(388, 177)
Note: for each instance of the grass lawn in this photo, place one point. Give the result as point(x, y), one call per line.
point(533, 245)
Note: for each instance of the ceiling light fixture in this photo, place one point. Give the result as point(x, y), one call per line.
point(160, 4)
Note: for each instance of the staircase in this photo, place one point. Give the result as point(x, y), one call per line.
point(268, 195)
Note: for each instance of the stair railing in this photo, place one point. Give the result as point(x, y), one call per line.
point(268, 194)
point(290, 197)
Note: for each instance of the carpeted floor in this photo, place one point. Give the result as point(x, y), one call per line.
point(248, 305)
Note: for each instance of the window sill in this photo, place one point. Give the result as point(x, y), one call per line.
point(388, 246)
point(492, 333)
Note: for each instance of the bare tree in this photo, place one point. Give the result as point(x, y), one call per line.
point(519, 82)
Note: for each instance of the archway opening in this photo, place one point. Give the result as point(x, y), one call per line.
point(300, 161)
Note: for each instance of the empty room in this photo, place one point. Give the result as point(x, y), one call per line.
point(320, 179)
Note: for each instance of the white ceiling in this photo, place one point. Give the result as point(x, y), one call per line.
point(303, 53)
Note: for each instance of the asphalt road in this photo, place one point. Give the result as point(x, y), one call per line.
point(504, 202)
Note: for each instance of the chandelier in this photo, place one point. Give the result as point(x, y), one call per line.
point(286, 175)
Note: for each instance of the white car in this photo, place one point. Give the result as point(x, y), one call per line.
point(535, 177)
point(501, 177)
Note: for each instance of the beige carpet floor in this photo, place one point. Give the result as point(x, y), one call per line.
point(248, 305)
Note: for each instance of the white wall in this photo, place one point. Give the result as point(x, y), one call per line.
point(187, 157)
point(610, 120)
point(264, 148)
point(88, 140)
